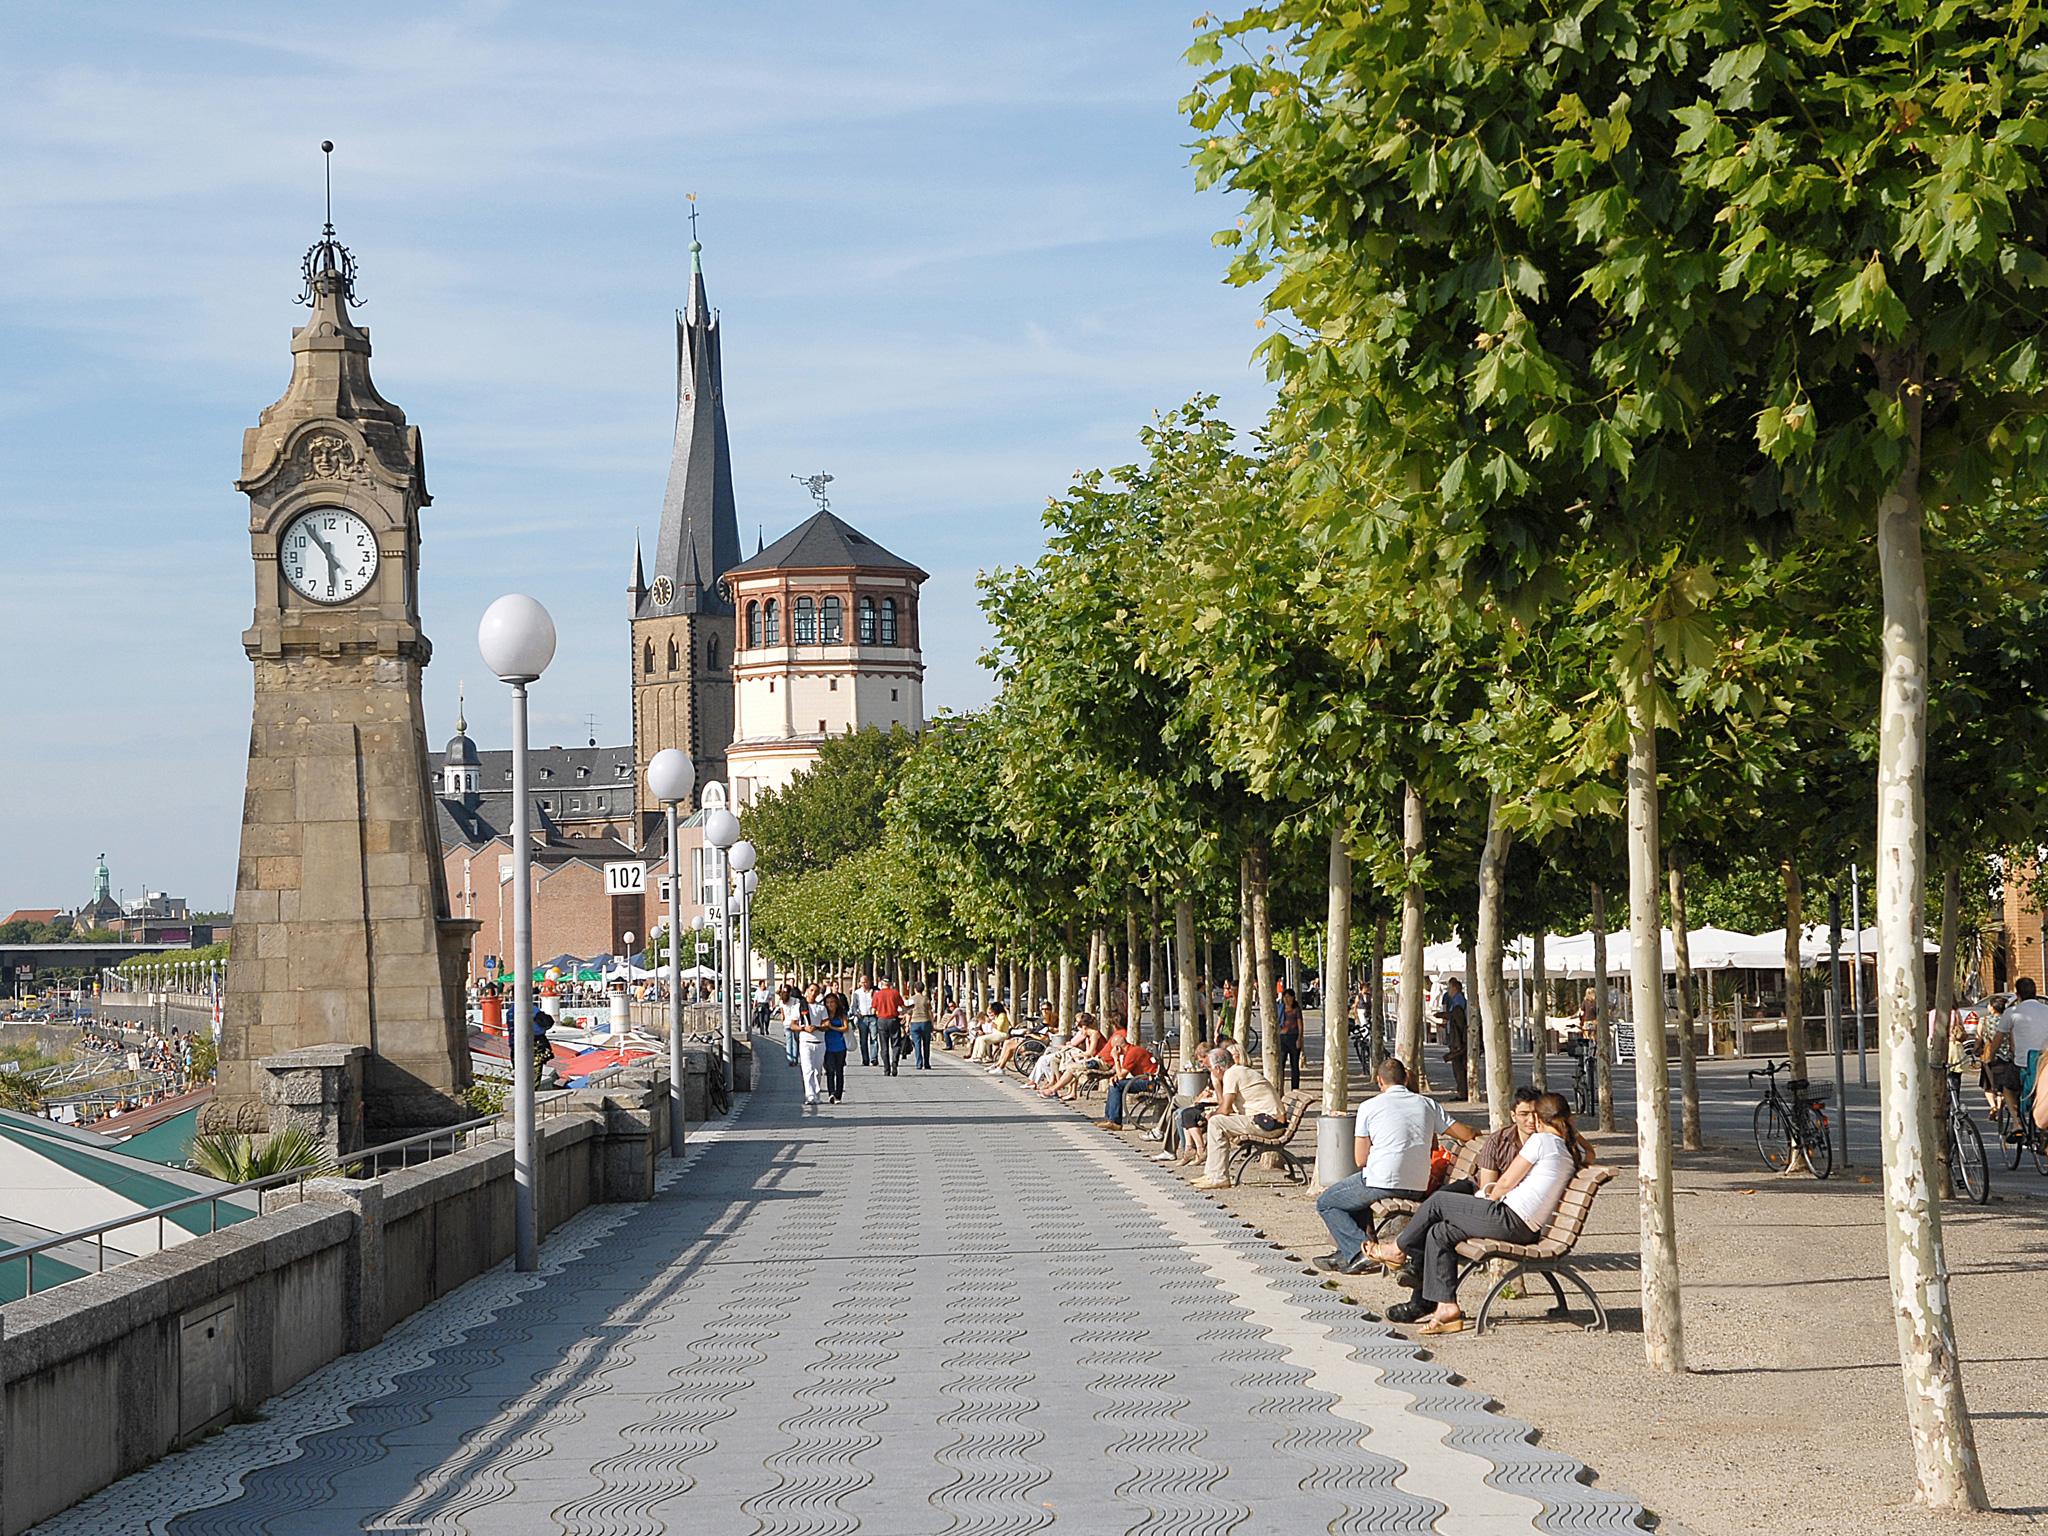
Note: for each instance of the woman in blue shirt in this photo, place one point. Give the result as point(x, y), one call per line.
point(835, 1044)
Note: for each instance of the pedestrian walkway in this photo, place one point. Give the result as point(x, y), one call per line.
point(943, 1306)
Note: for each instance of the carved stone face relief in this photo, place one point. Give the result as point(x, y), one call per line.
point(330, 458)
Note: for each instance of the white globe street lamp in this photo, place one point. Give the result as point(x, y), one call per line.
point(670, 778)
point(517, 639)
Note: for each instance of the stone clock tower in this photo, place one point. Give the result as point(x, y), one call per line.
point(342, 936)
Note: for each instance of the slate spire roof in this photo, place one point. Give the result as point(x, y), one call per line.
point(700, 534)
point(825, 542)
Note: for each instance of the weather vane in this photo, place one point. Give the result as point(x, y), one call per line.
point(815, 484)
point(328, 257)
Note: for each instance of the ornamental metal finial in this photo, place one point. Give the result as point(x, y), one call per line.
point(815, 484)
point(328, 258)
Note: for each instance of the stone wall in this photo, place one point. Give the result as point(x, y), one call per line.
point(106, 1374)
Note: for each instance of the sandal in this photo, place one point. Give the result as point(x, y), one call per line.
point(1434, 1327)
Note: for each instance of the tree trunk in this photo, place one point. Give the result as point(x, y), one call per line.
point(1944, 1449)
point(1155, 964)
point(1795, 973)
point(1539, 1069)
point(1133, 1021)
point(1247, 983)
point(1663, 1318)
point(1067, 982)
point(1184, 968)
point(1262, 966)
point(1337, 982)
point(1375, 985)
point(1408, 1036)
point(1603, 1049)
point(1937, 1032)
point(1491, 952)
point(1688, 1047)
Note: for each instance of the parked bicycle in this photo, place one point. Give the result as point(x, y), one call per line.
point(1966, 1161)
point(1585, 1084)
point(1792, 1123)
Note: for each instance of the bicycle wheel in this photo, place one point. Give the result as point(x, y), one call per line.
point(1816, 1144)
point(2037, 1143)
point(1773, 1136)
point(2015, 1149)
point(1966, 1158)
point(1585, 1087)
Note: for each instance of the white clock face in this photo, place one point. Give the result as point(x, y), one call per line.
point(328, 555)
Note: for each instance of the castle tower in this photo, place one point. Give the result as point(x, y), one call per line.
point(682, 620)
point(342, 932)
point(829, 643)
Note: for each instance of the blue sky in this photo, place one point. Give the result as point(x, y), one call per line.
point(957, 252)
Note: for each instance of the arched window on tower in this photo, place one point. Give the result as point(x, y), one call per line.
point(805, 622)
point(647, 659)
point(835, 621)
point(888, 621)
point(771, 624)
point(866, 620)
point(674, 656)
point(711, 654)
point(753, 625)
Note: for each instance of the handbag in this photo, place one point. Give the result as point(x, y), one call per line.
point(1268, 1123)
point(1439, 1168)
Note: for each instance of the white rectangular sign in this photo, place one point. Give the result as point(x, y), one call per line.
point(1624, 1043)
point(625, 879)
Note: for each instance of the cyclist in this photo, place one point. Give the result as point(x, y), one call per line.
point(2013, 1042)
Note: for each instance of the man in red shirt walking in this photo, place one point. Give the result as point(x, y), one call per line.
point(888, 1006)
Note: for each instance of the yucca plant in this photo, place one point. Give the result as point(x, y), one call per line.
point(237, 1159)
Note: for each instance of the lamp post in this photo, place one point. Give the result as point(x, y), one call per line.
point(670, 778)
point(742, 858)
point(721, 831)
point(517, 639)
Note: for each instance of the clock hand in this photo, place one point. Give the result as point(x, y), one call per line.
point(333, 563)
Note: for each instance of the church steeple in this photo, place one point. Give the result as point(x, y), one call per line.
point(700, 537)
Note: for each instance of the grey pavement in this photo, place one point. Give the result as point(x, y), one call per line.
point(943, 1306)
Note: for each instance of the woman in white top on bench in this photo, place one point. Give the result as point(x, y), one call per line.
point(1514, 1209)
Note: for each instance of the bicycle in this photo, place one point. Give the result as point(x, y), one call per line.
point(2020, 1135)
point(1792, 1123)
point(1585, 1084)
point(1966, 1161)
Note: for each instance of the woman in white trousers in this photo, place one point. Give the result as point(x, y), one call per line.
point(811, 1046)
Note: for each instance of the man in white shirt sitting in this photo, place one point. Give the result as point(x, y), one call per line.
point(1394, 1135)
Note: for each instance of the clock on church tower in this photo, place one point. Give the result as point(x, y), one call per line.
point(342, 935)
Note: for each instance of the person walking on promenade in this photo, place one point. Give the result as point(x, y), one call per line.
point(864, 1020)
point(887, 1004)
point(919, 1004)
point(1290, 1038)
point(1522, 1201)
point(794, 1016)
point(836, 1028)
point(811, 1045)
point(1457, 1036)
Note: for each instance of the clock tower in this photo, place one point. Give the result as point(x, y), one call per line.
point(683, 621)
point(342, 933)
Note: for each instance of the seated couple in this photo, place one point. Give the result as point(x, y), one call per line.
point(1523, 1169)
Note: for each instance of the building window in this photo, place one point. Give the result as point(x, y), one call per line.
point(673, 655)
point(833, 685)
point(772, 633)
point(888, 621)
point(821, 727)
point(805, 622)
point(647, 661)
point(835, 622)
point(866, 621)
point(771, 685)
point(711, 653)
point(892, 695)
point(753, 625)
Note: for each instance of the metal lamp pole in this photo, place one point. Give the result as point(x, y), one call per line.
point(517, 639)
point(670, 778)
point(742, 859)
point(721, 831)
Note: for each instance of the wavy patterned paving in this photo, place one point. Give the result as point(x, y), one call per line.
point(942, 1308)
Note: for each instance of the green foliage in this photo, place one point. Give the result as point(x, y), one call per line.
point(831, 809)
point(486, 1096)
point(237, 1159)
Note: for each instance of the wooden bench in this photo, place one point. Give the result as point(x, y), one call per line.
point(1246, 1145)
point(1549, 1257)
